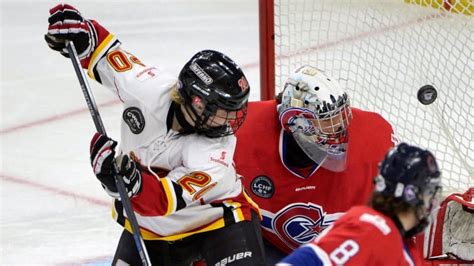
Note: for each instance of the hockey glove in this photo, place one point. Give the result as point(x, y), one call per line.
point(67, 24)
point(102, 153)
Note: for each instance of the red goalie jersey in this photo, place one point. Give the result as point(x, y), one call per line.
point(298, 204)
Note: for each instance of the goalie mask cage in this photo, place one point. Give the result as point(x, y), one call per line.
point(382, 52)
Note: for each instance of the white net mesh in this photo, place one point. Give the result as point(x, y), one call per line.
point(383, 52)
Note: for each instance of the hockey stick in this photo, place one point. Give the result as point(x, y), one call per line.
point(101, 129)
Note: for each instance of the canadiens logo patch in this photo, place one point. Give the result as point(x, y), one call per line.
point(298, 223)
point(134, 118)
point(262, 186)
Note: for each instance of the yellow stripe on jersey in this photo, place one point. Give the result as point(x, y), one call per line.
point(239, 213)
point(236, 210)
point(169, 196)
point(99, 51)
point(147, 235)
point(253, 203)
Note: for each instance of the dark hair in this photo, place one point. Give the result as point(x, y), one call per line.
point(389, 205)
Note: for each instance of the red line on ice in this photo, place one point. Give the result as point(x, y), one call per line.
point(68, 194)
point(54, 118)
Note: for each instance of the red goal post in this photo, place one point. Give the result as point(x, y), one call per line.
point(382, 52)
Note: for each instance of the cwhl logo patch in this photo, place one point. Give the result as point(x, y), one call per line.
point(262, 186)
point(134, 118)
point(298, 223)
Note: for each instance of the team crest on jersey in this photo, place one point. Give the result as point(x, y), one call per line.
point(262, 186)
point(134, 118)
point(298, 223)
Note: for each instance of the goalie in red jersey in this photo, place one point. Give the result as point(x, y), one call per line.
point(307, 157)
point(403, 203)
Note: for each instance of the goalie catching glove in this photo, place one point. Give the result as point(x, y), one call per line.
point(102, 151)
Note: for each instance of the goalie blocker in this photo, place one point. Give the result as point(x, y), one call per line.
point(450, 238)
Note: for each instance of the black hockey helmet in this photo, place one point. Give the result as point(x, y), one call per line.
point(411, 175)
point(212, 80)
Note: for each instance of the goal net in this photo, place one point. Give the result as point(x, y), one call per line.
point(382, 52)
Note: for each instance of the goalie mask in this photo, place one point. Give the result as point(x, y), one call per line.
point(411, 175)
point(316, 111)
point(215, 93)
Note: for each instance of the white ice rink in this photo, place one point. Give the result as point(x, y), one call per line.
point(53, 210)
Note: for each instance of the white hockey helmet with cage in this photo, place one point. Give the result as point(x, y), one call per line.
point(316, 111)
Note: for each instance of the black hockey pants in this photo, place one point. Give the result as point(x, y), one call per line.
point(236, 244)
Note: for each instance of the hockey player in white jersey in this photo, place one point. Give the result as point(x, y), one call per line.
point(176, 149)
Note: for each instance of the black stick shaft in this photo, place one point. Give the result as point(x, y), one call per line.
point(101, 129)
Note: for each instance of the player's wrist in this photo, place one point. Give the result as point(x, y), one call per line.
point(98, 37)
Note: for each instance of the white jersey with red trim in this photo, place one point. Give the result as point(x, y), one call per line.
point(196, 188)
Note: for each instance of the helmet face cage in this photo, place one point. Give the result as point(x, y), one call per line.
point(310, 89)
point(215, 122)
point(431, 202)
point(331, 127)
point(215, 91)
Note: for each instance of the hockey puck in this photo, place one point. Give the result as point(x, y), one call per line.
point(427, 94)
